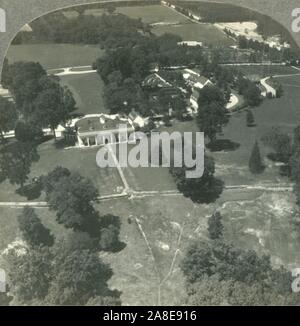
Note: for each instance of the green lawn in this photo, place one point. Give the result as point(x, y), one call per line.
point(149, 14)
point(206, 33)
point(87, 91)
point(264, 71)
point(52, 56)
point(106, 180)
point(153, 14)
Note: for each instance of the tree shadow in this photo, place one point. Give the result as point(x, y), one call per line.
point(2, 177)
point(31, 191)
point(223, 145)
point(251, 125)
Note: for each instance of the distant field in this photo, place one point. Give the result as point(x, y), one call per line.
point(149, 14)
point(206, 33)
point(87, 91)
point(52, 56)
point(265, 71)
point(153, 14)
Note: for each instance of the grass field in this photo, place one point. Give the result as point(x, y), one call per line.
point(283, 112)
point(87, 91)
point(106, 180)
point(147, 270)
point(206, 33)
point(264, 71)
point(153, 14)
point(52, 56)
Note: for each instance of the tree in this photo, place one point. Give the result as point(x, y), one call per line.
point(16, 160)
point(32, 230)
point(255, 162)
point(78, 275)
point(8, 116)
point(250, 119)
point(23, 81)
point(280, 142)
point(252, 95)
point(215, 226)
point(200, 190)
point(210, 291)
point(212, 114)
point(60, 275)
point(71, 198)
point(110, 229)
point(218, 273)
point(53, 105)
point(29, 275)
point(111, 8)
point(28, 131)
point(167, 120)
point(52, 177)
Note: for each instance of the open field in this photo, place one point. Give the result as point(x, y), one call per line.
point(206, 33)
point(87, 91)
point(147, 270)
point(83, 161)
point(267, 70)
point(52, 56)
point(153, 14)
point(149, 14)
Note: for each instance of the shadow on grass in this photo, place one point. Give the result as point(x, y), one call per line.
point(223, 145)
point(31, 191)
point(63, 143)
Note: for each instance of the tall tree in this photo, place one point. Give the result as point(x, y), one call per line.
point(16, 160)
point(215, 226)
point(32, 229)
point(29, 275)
point(280, 142)
point(212, 114)
point(78, 275)
point(205, 189)
point(8, 116)
point(24, 83)
point(256, 165)
point(53, 105)
point(72, 197)
point(250, 119)
point(28, 131)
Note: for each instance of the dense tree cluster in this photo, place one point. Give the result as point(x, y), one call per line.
point(40, 100)
point(71, 196)
point(15, 161)
point(217, 273)
point(212, 113)
point(59, 275)
point(109, 31)
point(32, 229)
point(66, 270)
point(249, 90)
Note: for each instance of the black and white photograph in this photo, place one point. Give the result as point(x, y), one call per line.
point(150, 154)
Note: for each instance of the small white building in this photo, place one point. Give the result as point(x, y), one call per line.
point(190, 43)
